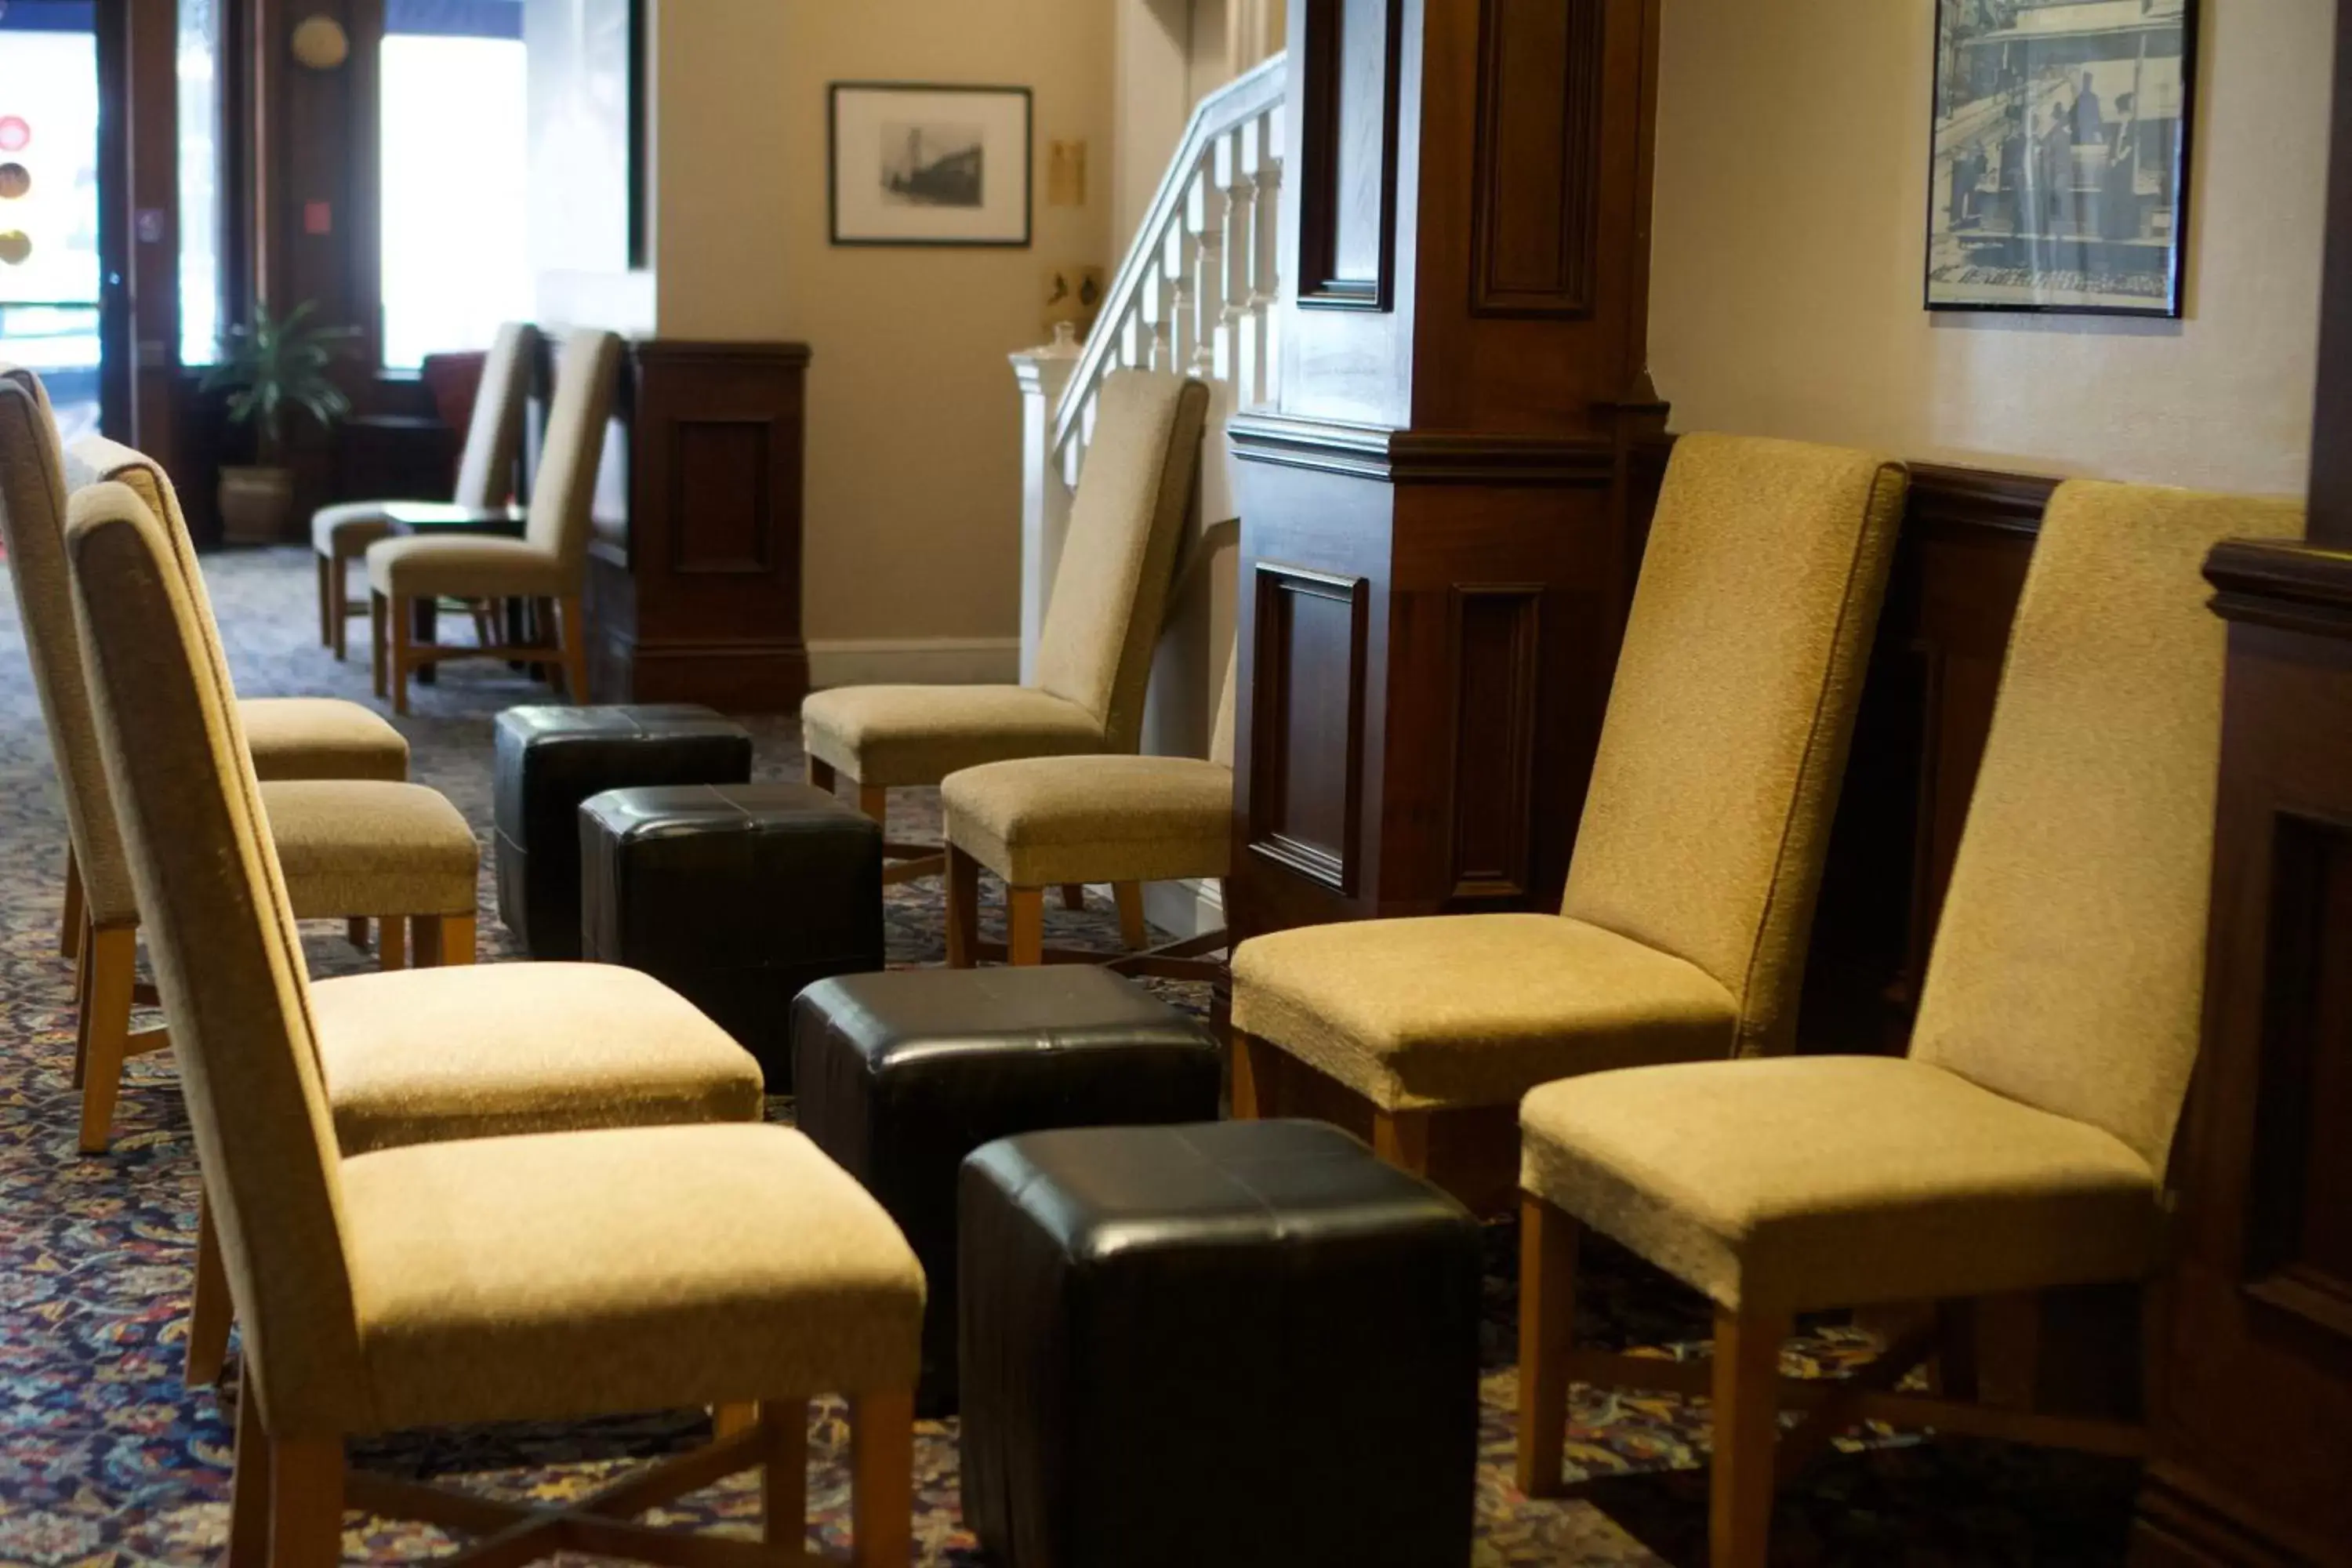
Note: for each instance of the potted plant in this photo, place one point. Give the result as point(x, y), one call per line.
point(271, 368)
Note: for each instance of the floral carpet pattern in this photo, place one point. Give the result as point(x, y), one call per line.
point(106, 1460)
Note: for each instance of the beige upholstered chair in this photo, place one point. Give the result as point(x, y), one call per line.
point(350, 848)
point(1046, 822)
point(549, 562)
point(290, 736)
point(1094, 661)
point(484, 475)
point(435, 1284)
point(1689, 899)
point(2022, 1143)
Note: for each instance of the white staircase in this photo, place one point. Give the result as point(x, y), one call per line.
point(1195, 294)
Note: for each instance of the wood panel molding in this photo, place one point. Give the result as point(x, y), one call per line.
point(1497, 638)
point(2284, 583)
point(1421, 456)
point(1535, 224)
point(1348, 124)
point(1307, 749)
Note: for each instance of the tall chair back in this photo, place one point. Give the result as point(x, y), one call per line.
point(2069, 964)
point(1717, 774)
point(564, 495)
point(32, 521)
point(485, 469)
point(1220, 729)
point(1118, 559)
point(228, 960)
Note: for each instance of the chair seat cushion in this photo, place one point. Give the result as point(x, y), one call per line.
point(425, 1055)
point(1470, 1010)
point(1797, 1184)
point(354, 847)
point(892, 735)
point(640, 1269)
point(347, 527)
point(320, 737)
point(471, 567)
point(1047, 820)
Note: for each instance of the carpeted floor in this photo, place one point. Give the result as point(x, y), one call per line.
point(104, 1459)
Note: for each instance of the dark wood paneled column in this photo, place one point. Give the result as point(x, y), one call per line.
point(694, 574)
point(2254, 1396)
point(1440, 522)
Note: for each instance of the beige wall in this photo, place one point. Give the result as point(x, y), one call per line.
point(1167, 55)
point(1791, 200)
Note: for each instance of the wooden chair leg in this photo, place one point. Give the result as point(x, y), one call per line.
point(70, 924)
point(210, 1310)
point(392, 943)
point(248, 1506)
point(81, 1005)
point(111, 956)
point(783, 1472)
point(306, 1503)
point(874, 800)
point(326, 565)
point(963, 909)
point(1253, 1069)
point(1074, 895)
point(1547, 1331)
point(338, 606)
point(356, 929)
point(403, 641)
point(441, 940)
point(1131, 928)
point(571, 635)
point(882, 1479)
point(1024, 920)
point(1401, 1137)
point(377, 612)
point(1747, 1381)
point(820, 775)
point(733, 1420)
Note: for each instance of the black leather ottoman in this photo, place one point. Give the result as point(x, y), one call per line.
point(735, 896)
point(901, 1075)
point(550, 759)
point(1249, 1343)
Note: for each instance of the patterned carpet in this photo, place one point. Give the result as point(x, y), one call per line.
point(104, 1459)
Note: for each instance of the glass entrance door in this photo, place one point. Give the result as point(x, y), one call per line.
point(51, 268)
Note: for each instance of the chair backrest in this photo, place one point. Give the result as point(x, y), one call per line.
point(2069, 964)
point(33, 497)
point(485, 471)
point(563, 496)
point(1220, 729)
point(228, 962)
point(1725, 743)
point(1119, 558)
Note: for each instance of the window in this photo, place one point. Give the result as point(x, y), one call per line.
point(200, 171)
point(48, 202)
point(457, 254)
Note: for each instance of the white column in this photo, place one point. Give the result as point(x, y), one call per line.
point(1042, 373)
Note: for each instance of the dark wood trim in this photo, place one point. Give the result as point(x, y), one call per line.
point(1944, 497)
point(2291, 585)
point(1323, 102)
point(2331, 444)
point(1336, 867)
point(1420, 457)
point(1574, 182)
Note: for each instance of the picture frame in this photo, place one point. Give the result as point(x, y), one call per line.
point(2060, 156)
point(931, 164)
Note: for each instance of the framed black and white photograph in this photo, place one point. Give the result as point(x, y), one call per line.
point(2060, 180)
point(919, 163)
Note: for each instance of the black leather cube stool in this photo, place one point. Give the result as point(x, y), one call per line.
point(901, 1075)
point(551, 758)
point(1249, 1343)
point(735, 896)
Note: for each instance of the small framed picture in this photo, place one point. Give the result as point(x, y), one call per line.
point(922, 163)
point(2060, 180)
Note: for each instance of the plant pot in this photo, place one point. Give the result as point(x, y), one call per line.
point(256, 505)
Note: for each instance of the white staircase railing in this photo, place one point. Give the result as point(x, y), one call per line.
point(1196, 295)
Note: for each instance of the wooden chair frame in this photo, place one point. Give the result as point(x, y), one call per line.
point(336, 610)
point(107, 987)
point(1751, 1457)
point(396, 652)
point(1026, 921)
point(289, 1496)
